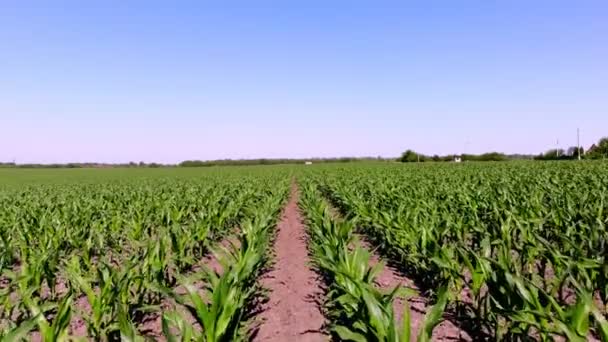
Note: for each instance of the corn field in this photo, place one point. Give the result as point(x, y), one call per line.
point(520, 247)
point(512, 251)
point(115, 254)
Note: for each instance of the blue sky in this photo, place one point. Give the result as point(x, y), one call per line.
point(167, 81)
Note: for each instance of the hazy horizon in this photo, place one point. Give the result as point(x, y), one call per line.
point(111, 82)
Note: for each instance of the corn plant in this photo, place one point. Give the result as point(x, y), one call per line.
point(114, 242)
point(220, 306)
point(518, 244)
point(358, 310)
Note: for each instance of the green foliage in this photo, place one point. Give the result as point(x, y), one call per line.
point(110, 250)
point(358, 310)
point(220, 307)
point(526, 242)
point(599, 150)
point(410, 156)
point(274, 161)
point(519, 247)
point(490, 156)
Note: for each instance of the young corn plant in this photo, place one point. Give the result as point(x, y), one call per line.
point(110, 295)
point(358, 310)
point(57, 330)
point(526, 241)
point(219, 307)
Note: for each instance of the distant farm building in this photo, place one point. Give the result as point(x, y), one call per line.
point(457, 159)
point(308, 163)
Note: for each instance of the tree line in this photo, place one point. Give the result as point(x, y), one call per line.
point(275, 161)
point(81, 165)
point(596, 151)
point(198, 163)
point(410, 156)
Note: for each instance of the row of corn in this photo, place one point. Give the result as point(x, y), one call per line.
point(113, 254)
point(356, 308)
point(221, 307)
point(522, 247)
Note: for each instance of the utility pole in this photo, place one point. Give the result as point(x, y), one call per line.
point(578, 142)
point(557, 149)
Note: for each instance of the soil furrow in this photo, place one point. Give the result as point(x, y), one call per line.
point(292, 312)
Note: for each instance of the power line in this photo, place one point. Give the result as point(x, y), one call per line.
point(578, 143)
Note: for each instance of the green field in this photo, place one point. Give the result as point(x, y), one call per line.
point(517, 248)
point(521, 247)
point(41, 176)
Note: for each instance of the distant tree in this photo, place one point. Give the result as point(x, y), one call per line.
point(492, 156)
point(574, 151)
point(410, 156)
point(553, 154)
point(489, 156)
point(599, 150)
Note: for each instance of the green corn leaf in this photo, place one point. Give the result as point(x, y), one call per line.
point(433, 316)
point(21, 332)
point(348, 335)
point(406, 327)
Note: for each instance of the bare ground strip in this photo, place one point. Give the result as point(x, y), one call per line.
point(292, 312)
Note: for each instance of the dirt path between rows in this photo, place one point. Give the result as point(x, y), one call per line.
point(388, 279)
point(292, 312)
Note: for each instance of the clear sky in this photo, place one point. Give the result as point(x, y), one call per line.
point(166, 81)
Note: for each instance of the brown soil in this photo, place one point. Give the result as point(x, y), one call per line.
point(292, 312)
point(388, 279)
point(78, 327)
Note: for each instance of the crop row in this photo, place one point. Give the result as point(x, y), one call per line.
point(110, 255)
point(356, 308)
point(522, 247)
